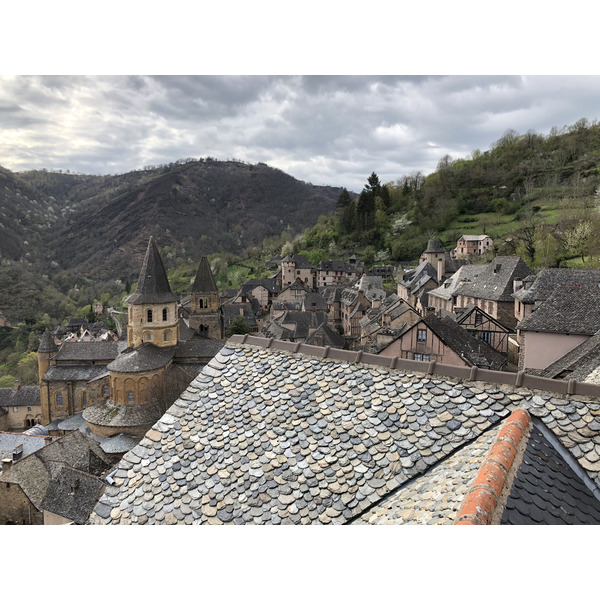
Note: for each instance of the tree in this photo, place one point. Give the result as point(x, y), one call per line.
point(238, 326)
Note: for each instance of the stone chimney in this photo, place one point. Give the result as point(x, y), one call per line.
point(16, 385)
point(6, 465)
point(440, 269)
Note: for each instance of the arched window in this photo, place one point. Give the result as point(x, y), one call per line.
point(84, 399)
point(105, 390)
point(165, 314)
point(130, 396)
point(166, 336)
point(59, 399)
point(148, 337)
point(149, 315)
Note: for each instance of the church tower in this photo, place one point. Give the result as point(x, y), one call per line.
point(152, 314)
point(46, 350)
point(205, 315)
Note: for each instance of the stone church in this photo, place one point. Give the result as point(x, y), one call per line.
point(124, 387)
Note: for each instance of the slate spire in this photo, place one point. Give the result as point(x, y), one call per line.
point(204, 281)
point(153, 285)
point(47, 344)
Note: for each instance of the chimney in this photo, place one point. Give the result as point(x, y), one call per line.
point(16, 385)
point(440, 269)
point(6, 465)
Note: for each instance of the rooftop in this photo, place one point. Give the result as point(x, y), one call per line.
point(277, 432)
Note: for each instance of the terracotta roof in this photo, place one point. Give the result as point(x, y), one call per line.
point(153, 284)
point(204, 280)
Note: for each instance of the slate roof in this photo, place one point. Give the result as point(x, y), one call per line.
point(302, 322)
point(35, 472)
point(332, 293)
point(435, 497)
point(204, 280)
point(269, 284)
point(47, 343)
point(313, 301)
point(324, 335)
point(72, 494)
point(267, 436)
point(153, 285)
point(578, 363)
point(495, 282)
point(288, 304)
point(26, 395)
point(9, 442)
point(336, 265)
point(547, 491)
point(434, 245)
point(472, 349)
point(299, 260)
point(231, 311)
point(464, 275)
point(198, 347)
point(144, 358)
point(74, 373)
point(89, 351)
point(549, 280)
point(415, 280)
point(574, 310)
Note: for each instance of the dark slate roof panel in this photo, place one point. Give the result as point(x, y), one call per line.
point(153, 284)
point(546, 490)
point(548, 280)
point(145, 358)
point(578, 363)
point(199, 347)
point(496, 281)
point(72, 494)
point(47, 343)
point(75, 373)
point(574, 310)
point(204, 281)
point(26, 395)
point(88, 351)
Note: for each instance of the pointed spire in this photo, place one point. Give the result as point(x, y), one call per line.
point(204, 281)
point(47, 344)
point(153, 285)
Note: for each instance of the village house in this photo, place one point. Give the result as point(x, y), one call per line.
point(562, 322)
point(333, 299)
point(251, 311)
point(263, 290)
point(293, 291)
point(295, 268)
point(22, 407)
point(392, 314)
point(436, 255)
point(442, 340)
point(479, 324)
point(534, 290)
point(353, 307)
point(296, 326)
point(334, 272)
point(472, 245)
point(416, 283)
point(349, 438)
point(442, 300)
point(492, 290)
point(24, 483)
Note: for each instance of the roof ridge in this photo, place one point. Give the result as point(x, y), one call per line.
point(495, 475)
point(520, 379)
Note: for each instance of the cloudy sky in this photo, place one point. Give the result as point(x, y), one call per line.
point(324, 129)
point(321, 128)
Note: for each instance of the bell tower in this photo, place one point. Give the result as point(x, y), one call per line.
point(205, 315)
point(152, 316)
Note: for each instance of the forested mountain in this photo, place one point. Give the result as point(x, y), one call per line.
point(536, 195)
point(67, 238)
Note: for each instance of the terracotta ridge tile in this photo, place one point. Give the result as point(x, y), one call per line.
point(496, 472)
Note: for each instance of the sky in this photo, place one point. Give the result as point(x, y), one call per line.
point(332, 130)
point(324, 94)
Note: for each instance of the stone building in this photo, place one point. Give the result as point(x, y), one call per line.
point(124, 387)
point(206, 319)
point(22, 407)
